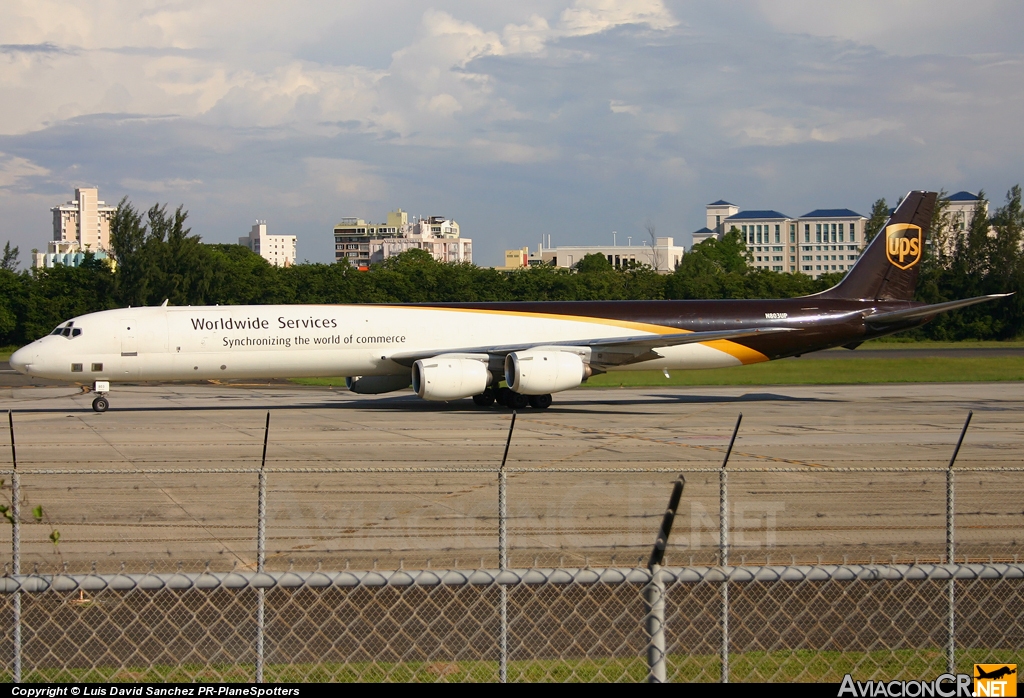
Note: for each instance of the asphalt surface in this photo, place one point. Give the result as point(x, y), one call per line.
point(419, 489)
point(588, 495)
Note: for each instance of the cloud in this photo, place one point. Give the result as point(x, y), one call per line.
point(619, 107)
point(758, 127)
point(47, 47)
point(905, 28)
point(355, 181)
point(14, 169)
point(589, 114)
point(160, 186)
point(594, 16)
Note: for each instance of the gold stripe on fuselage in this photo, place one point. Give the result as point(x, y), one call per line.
point(744, 354)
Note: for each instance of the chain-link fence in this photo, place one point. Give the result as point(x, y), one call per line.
point(897, 573)
point(804, 623)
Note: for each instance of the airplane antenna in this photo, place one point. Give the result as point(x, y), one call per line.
point(164, 304)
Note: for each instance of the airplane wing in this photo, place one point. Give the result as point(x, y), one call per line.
point(623, 350)
point(927, 310)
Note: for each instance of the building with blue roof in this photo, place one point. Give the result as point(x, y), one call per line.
point(767, 234)
point(822, 241)
point(717, 212)
point(960, 211)
point(963, 196)
point(831, 240)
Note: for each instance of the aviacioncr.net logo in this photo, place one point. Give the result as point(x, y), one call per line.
point(903, 244)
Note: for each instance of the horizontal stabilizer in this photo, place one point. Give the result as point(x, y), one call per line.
point(923, 311)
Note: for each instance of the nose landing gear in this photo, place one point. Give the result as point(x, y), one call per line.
point(101, 403)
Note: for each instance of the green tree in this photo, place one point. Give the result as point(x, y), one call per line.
point(879, 215)
point(127, 239)
point(9, 261)
point(593, 263)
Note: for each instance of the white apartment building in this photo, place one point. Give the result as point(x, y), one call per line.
point(830, 239)
point(363, 243)
point(717, 212)
point(279, 250)
point(961, 208)
point(770, 238)
point(819, 242)
point(663, 256)
point(68, 253)
point(960, 212)
point(79, 226)
point(86, 220)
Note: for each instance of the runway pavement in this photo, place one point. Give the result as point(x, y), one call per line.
point(606, 510)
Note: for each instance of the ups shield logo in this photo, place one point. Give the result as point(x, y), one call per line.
point(903, 245)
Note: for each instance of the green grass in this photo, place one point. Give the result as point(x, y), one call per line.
point(831, 372)
point(897, 342)
point(779, 666)
point(810, 372)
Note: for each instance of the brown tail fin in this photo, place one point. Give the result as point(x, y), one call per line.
point(888, 268)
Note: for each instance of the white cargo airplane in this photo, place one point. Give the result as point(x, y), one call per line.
point(449, 351)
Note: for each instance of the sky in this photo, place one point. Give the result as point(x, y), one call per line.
point(570, 118)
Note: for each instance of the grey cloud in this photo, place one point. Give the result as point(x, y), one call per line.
point(42, 48)
point(716, 107)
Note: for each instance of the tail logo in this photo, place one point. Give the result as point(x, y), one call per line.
point(903, 244)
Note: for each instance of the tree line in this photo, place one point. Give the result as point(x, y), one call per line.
point(159, 258)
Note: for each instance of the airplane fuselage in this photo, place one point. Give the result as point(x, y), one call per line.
point(290, 341)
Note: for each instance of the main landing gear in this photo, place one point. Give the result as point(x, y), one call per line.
point(101, 403)
point(510, 398)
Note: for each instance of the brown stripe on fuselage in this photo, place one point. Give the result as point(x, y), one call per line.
point(824, 322)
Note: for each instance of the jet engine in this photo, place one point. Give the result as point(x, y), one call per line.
point(375, 385)
point(544, 372)
point(444, 378)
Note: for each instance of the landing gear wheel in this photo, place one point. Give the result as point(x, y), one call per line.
point(484, 399)
point(541, 402)
point(516, 401)
point(503, 396)
point(100, 404)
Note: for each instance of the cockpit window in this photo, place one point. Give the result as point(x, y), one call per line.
point(69, 330)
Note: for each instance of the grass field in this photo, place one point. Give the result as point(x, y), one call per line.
point(780, 666)
point(811, 372)
point(831, 372)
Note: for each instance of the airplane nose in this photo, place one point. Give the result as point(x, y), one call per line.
point(20, 360)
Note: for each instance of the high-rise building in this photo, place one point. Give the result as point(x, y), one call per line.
point(362, 243)
point(279, 250)
point(85, 220)
point(79, 226)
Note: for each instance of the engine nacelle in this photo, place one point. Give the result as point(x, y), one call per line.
point(543, 372)
point(375, 385)
point(444, 378)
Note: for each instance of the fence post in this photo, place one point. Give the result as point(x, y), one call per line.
point(654, 596)
point(261, 552)
point(15, 550)
point(951, 585)
point(503, 558)
point(723, 549)
point(654, 593)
